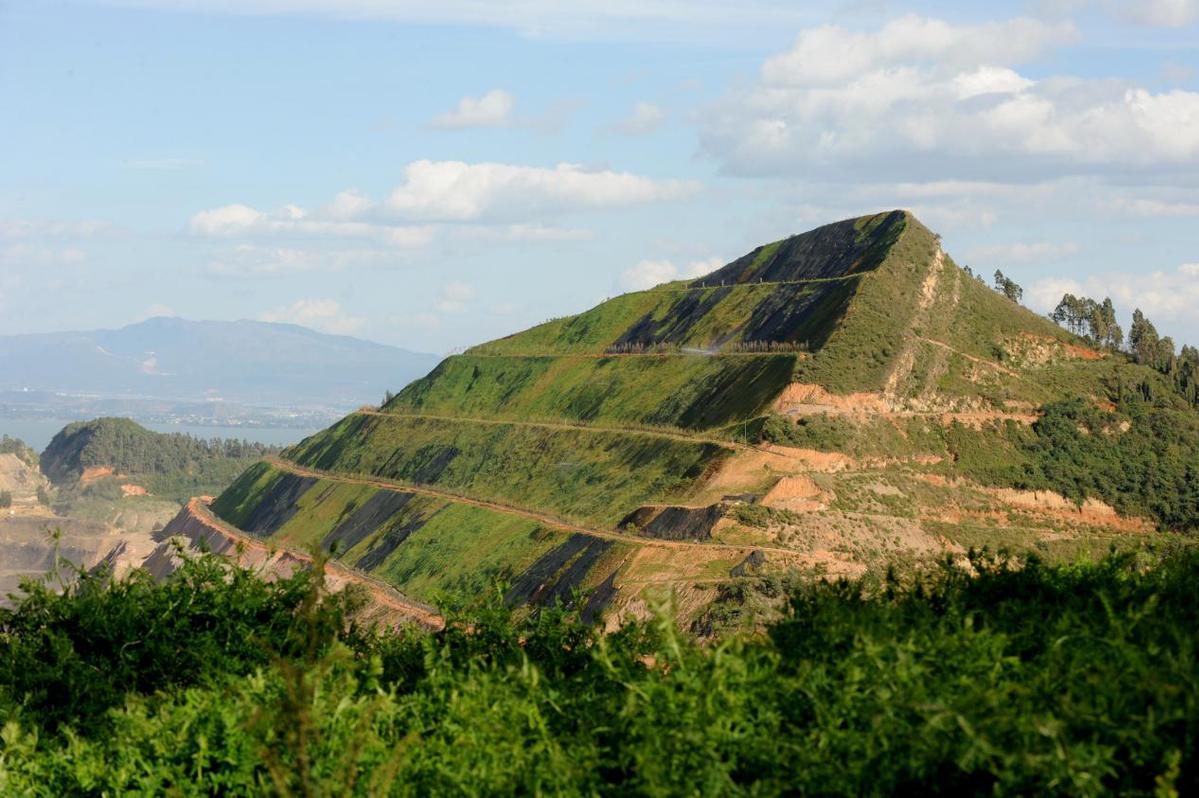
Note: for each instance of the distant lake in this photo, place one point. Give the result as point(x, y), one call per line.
point(37, 432)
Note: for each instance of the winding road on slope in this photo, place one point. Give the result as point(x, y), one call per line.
point(532, 515)
point(382, 593)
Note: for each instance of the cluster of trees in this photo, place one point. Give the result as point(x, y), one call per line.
point(1008, 287)
point(1155, 351)
point(23, 451)
point(1149, 470)
point(215, 682)
point(1095, 321)
point(132, 449)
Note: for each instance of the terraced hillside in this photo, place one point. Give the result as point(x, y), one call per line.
point(841, 399)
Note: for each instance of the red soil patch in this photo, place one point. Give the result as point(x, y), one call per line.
point(1082, 353)
point(95, 473)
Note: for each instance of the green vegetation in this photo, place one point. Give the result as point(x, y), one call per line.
point(1141, 458)
point(1095, 321)
point(591, 475)
point(866, 340)
point(22, 450)
point(691, 391)
point(5, 499)
point(215, 682)
point(1008, 287)
point(1182, 369)
point(173, 466)
point(793, 291)
point(424, 546)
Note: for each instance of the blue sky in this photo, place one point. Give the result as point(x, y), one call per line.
point(436, 174)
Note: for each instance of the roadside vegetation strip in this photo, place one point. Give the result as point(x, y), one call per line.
point(673, 433)
point(534, 515)
point(381, 593)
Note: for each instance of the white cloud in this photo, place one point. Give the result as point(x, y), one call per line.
point(459, 191)
point(291, 220)
point(921, 96)
point(1159, 13)
point(1044, 294)
point(1024, 251)
point(525, 232)
point(254, 260)
point(1151, 207)
point(454, 297)
point(493, 109)
point(644, 118)
point(156, 310)
point(830, 55)
point(503, 202)
point(649, 273)
point(43, 228)
point(1162, 295)
point(586, 19)
point(28, 254)
point(319, 314)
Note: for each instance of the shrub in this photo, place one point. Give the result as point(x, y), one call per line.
point(1017, 678)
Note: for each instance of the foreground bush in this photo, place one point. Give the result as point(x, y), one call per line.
point(1035, 679)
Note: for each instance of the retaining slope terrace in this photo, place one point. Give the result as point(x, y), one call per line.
point(607, 452)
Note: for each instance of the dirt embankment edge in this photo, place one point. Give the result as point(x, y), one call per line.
point(196, 524)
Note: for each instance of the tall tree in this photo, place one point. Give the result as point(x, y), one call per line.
point(1008, 287)
point(1143, 339)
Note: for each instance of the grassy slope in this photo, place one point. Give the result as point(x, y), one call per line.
point(448, 548)
point(691, 391)
point(859, 353)
point(594, 476)
point(551, 373)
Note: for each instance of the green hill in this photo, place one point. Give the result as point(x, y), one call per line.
point(99, 453)
point(844, 399)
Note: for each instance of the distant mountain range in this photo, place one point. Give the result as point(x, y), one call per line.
point(247, 362)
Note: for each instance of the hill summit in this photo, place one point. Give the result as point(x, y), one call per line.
point(841, 399)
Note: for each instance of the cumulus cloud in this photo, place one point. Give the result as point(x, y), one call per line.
point(831, 55)
point(644, 118)
point(29, 254)
point(1159, 13)
point(291, 220)
point(454, 297)
point(493, 109)
point(1153, 207)
point(920, 95)
point(588, 19)
point(460, 191)
point(1021, 251)
point(258, 261)
point(1162, 295)
point(496, 201)
point(649, 273)
point(326, 315)
point(46, 228)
